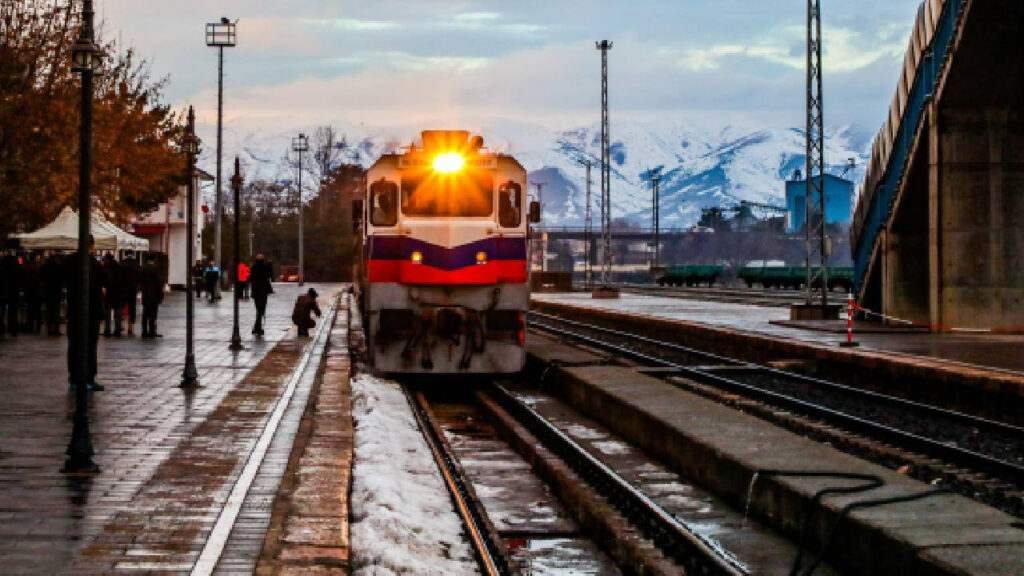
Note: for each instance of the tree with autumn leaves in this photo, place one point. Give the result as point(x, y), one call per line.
point(136, 163)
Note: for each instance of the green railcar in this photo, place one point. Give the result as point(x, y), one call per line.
point(690, 275)
point(794, 277)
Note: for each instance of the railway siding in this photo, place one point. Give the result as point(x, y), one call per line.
point(986, 393)
point(723, 449)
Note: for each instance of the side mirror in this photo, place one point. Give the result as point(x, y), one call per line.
point(357, 214)
point(534, 212)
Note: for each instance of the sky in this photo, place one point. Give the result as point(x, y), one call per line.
point(394, 62)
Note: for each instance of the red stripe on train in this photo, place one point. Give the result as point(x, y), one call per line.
point(405, 272)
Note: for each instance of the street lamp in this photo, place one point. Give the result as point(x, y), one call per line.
point(300, 145)
point(236, 187)
point(85, 59)
point(190, 146)
point(220, 35)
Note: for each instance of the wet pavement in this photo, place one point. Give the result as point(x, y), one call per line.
point(994, 351)
point(167, 456)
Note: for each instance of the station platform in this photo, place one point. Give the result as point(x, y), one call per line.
point(998, 352)
point(171, 459)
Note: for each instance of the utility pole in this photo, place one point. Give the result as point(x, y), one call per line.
point(219, 35)
point(655, 215)
point(300, 145)
point(814, 224)
point(543, 228)
point(588, 270)
point(606, 218)
point(236, 189)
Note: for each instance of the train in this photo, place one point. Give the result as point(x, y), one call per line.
point(443, 258)
point(690, 275)
point(795, 277)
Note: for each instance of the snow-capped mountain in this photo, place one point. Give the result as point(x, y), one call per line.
point(701, 164)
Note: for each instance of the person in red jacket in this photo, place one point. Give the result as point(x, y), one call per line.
point(243, 280)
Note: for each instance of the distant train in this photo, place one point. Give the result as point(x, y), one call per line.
point(443, 267)
point(795, 277)
point(690, 275)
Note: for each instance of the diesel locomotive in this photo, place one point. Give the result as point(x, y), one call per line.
point(443, 272)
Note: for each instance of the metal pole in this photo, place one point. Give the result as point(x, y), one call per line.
point(236, 187)
point(814, 224)
point(655, 179)
point(588, 271)
point(80, 449)
point(543, 228)
point(190, 376)
point(219, 209)
point(302, 258)
point(604, 46)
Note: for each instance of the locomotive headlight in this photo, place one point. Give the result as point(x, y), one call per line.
point(481, 257)
point(417, 257)
point(448, 162)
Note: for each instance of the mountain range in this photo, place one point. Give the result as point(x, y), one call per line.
point(702, 163)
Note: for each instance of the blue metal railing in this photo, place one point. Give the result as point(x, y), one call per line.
point(881, 202)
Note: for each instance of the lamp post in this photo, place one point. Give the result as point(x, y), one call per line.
point(190, 146)
point(236, 187)
point(220, 35)
point(85, 61)
point(300, 145)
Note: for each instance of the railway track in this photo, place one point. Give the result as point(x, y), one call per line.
point(979, 458)
point(610, 513)
point(781, 298)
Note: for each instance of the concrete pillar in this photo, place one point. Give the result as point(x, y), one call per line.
point(934, 225)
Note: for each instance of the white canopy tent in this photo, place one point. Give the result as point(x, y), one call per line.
point(62, 234)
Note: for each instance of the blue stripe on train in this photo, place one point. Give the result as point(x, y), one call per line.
point(401, 248)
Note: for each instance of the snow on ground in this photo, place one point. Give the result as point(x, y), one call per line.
point(402, 517)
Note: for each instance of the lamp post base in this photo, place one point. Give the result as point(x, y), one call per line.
point(236, 340)
point(190, 377)
point(79, 466)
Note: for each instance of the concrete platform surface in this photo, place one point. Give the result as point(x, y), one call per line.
point(168, 457)
point(722, 449)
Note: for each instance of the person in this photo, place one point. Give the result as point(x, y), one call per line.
point(152, 286)
point(210, 278)
point(53, 292)
point(32, 285)
point(112, 300)
point(94, 293)
point(11, 270)
point(261, 288)
point(305, 307)
point(197, 279)
point(243, 280)
point(129, 285)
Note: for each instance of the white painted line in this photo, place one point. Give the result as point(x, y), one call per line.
point(218, 538)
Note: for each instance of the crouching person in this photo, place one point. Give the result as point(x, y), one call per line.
point(302, 315)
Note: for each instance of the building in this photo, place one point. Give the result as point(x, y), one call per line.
point(165, 228)
point(838, 198)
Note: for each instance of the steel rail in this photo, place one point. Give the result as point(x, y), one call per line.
point(489, 555)
point(908, 440)
point(695, 554)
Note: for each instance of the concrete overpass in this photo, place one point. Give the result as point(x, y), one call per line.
point(938, 234)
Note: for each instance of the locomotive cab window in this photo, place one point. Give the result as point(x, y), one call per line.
point(383, 203)
point(510, 205)
point(461, 194)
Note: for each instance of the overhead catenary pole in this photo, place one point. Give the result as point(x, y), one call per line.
point(543, 228)
point(80, 451)
point(219, 35)
point(300, 145)
point(588, 270)
point(604, 46)
point(814, 222)
point(655, 216)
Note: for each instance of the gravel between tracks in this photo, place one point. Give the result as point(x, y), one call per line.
point(402, 517)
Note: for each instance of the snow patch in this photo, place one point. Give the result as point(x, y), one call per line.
point(402, 517)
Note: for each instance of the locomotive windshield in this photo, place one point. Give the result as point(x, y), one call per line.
point(428, 193)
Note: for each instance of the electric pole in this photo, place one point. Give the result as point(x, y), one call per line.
point(300, 145)
point(655, 215)
point(814, 223)
point(543, 228)
point(588, 271)
point(606, 219)
point(219, 35)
